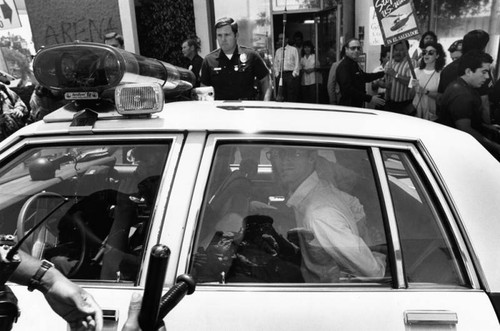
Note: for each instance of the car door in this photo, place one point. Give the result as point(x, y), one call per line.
point(117, 188)
point(398, 219)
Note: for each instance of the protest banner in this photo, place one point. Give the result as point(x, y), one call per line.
point(396, 19)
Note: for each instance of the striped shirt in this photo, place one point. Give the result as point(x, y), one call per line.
point(398, 91)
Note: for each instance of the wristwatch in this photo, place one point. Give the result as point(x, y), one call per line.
point(35, 281)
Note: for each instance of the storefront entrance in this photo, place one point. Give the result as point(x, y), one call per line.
point(321, 28)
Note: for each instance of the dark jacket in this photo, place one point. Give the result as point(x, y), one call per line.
point(352, 80)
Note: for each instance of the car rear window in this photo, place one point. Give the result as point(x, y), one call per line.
point(429, 254)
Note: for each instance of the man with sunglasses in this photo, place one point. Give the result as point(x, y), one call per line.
point(114, 39)
point(352, 79)
point(328, 219)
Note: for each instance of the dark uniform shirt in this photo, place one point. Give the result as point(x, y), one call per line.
point(233, 79)
point(352, 80)
point(461, 101)
point(195, 66)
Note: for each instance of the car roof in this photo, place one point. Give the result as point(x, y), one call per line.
point(248, 116)
point(466, 169)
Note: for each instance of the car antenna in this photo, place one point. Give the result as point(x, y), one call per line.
point(280, 97)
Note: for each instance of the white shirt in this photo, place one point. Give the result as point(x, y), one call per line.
point(425, 105)
point(332, 216)
point(308, 63)
point(292, 61)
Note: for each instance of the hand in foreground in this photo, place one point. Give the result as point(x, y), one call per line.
point(17, 113)
point(413, 83)
point(390, 72)
point(132, 322)
point(72, 303)
point(378, 101)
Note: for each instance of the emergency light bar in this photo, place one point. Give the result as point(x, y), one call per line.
point(85, 70)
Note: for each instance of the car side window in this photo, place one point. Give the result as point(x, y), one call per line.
point(428, 250)
point(277, 213)
point(94, 204)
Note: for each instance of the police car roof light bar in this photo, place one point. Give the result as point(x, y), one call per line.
point(86, 70)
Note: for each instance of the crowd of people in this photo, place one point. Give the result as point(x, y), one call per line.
point(462, 94)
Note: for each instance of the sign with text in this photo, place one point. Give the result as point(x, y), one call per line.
point(375, 34)
point(396, 19)
point(9, 18)
point(56, 22)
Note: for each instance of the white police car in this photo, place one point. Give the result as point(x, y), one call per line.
point(409, 242)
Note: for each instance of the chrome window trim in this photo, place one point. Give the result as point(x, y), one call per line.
point(444, 204)
point(452, 216)
point(161, 203)
point(174, 232)
point(320, 288)
point(375, 146)
point(201, 182)
point(400, 281)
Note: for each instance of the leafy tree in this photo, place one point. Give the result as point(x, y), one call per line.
point(162, 26)
point(448, 10)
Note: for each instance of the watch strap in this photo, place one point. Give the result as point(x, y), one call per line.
point(35, 281)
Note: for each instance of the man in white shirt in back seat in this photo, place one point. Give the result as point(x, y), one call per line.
point(329, 218)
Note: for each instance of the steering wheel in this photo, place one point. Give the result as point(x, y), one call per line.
point(36, 247)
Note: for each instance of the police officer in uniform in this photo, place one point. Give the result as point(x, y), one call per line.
point(232, 69)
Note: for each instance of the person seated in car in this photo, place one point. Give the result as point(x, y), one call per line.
point(139, 191)
point(329, 215)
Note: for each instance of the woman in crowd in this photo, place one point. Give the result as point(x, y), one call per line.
point(308, 68)
point(427, 37)
point(428, 74)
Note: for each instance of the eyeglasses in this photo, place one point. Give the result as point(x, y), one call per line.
point(291, 154)
point(430, 52)
point(110, 35)
point(355, 48)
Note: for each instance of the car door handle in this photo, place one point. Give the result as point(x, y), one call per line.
point(440, 317)
point(110, 319)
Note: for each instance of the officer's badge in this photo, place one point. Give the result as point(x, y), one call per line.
point(243, 58)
